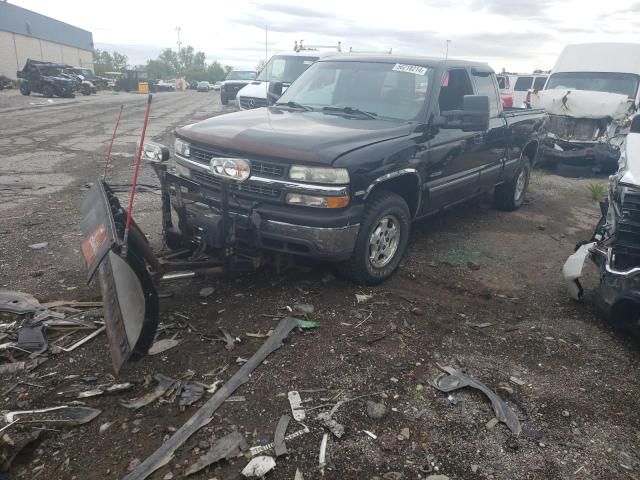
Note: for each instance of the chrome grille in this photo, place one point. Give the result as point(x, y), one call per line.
point(246, 187)
point(203, 155)
point(252, 102)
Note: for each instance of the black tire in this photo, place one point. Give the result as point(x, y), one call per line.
point(48, 91)
point(24, 89)
point(224, 100)
point(510, 195)
point(359, 268)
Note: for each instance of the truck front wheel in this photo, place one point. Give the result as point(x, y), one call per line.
point(382, 240)
point(223, 99)
point(510, 195)
point(24, 89)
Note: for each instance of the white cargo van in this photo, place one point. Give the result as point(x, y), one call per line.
point(592, 90)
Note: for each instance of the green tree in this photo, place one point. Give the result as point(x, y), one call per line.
point(215, 72)
point(120, 61)
point(227, 69)
point(260, 66)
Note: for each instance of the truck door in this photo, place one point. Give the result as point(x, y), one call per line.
point(454, 166)
point(493, 151)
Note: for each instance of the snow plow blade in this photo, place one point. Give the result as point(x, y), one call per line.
point(128, 291)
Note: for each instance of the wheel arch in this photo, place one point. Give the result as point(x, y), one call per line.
point(406, 183)
point(530, 151)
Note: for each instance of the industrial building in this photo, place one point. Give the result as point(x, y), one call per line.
point(26, 34)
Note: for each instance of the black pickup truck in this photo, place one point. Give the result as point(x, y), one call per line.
point(354, 151)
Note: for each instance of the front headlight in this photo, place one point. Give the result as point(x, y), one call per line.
point(317, 201)
point(155, 152)
point(236, 169)
point(319, 174)
point(181, 147)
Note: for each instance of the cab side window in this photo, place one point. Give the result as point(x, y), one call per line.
point(485, 85)
point(455, 85)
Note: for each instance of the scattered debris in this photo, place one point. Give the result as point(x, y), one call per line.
point(303, 308)
point(404, 434)
point(12, 445)
point(26, 365)
point(19, 303)
point(63, 414)
point(191, 393)
point(39, 246)
point(481, 325)
point(376, 410)
point(204, 415)
point(227, 447)
point(206, 292)
point(163, 345)
point(296, 406)
point(164, 383)
point(517, 381)
point(457, 379)
point(327, 420)
point(361, 297)
point(32, 338)
point(371, 434)
point(492, 423)
point(471, 265)
point(258, 467)
point(231, 342)
point(299, 475)
point(278, 437)
point(270, 446)
point(307, 324)
point(417, 311)
point(83, 341)
point(322, 457)
point(104, 427)
point(102, 389)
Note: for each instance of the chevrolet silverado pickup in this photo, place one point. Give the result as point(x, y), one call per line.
point(356, 149)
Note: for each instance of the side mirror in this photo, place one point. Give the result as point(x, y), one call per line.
point(474, 116)
point(635, 124)
point(274, 92)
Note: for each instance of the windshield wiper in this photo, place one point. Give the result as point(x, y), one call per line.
point(295, 105)
point(350, 111)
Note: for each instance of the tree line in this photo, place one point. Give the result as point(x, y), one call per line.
point(170, 64)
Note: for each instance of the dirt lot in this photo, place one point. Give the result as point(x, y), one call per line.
point(471, 266)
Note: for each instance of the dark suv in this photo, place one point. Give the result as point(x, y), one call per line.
point(46, 78)
point(235, 81)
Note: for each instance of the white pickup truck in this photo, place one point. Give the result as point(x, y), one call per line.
point(284, 68)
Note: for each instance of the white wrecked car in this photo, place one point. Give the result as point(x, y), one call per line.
point(615, 244)
point(590, 95)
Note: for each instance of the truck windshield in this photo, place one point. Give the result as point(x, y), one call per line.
point(388, 90)
point(285, 68)
point(623, 83)
point(239, 75)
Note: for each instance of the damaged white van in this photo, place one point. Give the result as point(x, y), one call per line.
point(590, 94)
point(615, 244)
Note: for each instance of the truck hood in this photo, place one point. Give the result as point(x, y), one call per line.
point(301, 137)
point(582, 103)
point(236, 82)
point(257, 90)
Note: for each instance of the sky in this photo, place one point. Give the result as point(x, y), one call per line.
point(518, 35)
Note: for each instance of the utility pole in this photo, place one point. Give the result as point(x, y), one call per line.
point(179, 45)
point(446, 54)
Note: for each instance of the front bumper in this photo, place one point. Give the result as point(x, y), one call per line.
point(561, 151)
point(324, 234)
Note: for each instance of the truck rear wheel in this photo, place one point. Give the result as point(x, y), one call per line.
point(382, 240)
point(48, 91)
point(510, 196)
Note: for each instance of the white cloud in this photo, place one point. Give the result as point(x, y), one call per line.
point(516, 34)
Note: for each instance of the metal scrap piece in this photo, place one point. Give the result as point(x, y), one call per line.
point(253, 451)
point(190, 394)
point(102, 389)
point(296, 405)
point(327, 420)
point(63, 415)
point(32, 339)
point(205, 414)
point(259, 467)
point(19, 303)
point(163, 345)
point(457, 379)
point(227, 447)
point(164, 383)
point(12, 445)
point(278, 437)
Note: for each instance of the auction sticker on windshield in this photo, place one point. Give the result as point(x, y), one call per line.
point(415, 69)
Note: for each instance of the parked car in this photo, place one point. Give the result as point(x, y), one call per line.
point(47, 79)
point(524, 85)
point(165, 86)
point(5, 82)
point(100, 83)
point(615, 244)
point(203, 87)
point(283, 68)
point(355, 150)
point(590, 95)
point(216, 86)
point(236, 80)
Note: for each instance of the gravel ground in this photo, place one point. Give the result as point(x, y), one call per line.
point(479, 290)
